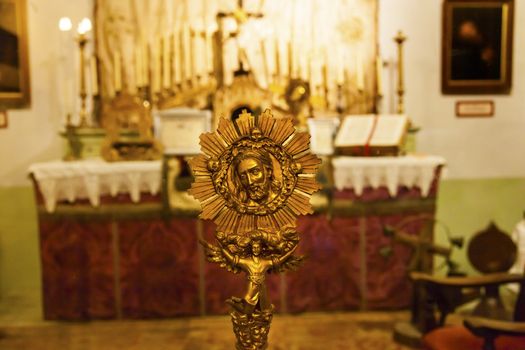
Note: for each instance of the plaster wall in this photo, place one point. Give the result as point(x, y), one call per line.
point(473, 147)
point(32, 133)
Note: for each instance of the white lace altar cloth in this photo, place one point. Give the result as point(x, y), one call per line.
point(392, 172)
point(59, 180)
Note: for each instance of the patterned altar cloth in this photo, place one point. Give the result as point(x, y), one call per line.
point(357, 173)
point(91, 179)
point(145, 264)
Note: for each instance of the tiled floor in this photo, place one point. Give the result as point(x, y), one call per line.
point(21, 309)
point(21, 327)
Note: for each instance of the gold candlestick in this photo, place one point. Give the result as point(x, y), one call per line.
point(399, 39)
point(379, 85)
point(82, 41)
point(253, 184)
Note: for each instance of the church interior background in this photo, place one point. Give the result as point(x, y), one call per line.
point(96, 223)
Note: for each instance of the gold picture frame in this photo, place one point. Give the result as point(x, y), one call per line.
point(14, 67)
point(477, 46)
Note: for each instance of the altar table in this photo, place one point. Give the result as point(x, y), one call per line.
point(110, 248)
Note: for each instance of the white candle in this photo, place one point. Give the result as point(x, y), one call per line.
point(176, 57)
point(208, 42)
point(270, 62)
point(311, 75)
point(188, 73)
point(94, 76)
point(360, 74)
point(324, 73)
point(157, 64)
point(199, 53)
point(277, 60)
point(117, 70)
point(66, 80)
point(341, 68)
point(138, 66)
point(266, 69)
point(192, 54)
point(166, 62)
point(182, 54)
point(145, 64)
point(304, 64)
point(229, 53)
point(291, 61)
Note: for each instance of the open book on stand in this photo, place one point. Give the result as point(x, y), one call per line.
point(372, 135)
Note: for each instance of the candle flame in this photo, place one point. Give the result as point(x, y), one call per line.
point(64, 24)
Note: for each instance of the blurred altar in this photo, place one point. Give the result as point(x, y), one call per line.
point(118, 232)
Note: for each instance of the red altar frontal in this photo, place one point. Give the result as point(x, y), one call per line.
point(111, 249)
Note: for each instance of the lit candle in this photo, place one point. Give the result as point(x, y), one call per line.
point(84, 26)
point(117, 71)
point(94, 76)
point(66, 66)
point(166, 62)
point(65, 24)
point(379, 73)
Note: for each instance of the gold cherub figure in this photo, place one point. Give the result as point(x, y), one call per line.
point(255, 254)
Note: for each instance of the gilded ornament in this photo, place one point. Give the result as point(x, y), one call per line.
point(254, 177)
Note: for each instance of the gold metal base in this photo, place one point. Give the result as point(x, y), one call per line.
point(251, 330)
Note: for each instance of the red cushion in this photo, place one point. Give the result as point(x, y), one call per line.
point(460, 338)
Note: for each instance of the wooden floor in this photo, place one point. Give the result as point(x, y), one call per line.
point(21, 327)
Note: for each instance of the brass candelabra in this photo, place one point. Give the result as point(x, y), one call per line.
point(400, 39)
point(82, 41)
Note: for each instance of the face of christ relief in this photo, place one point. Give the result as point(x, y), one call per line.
point(255, 180)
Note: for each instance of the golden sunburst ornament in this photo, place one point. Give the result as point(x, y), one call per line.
point(281, 151)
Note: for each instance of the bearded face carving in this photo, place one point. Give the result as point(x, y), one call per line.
point(255, 180)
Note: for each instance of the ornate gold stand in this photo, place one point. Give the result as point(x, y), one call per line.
point(252, 330)
point(254, 177)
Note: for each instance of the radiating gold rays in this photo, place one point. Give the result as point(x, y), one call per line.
point(211, 167)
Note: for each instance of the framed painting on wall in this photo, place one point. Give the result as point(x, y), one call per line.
point(477, 46)
point(14, 69)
